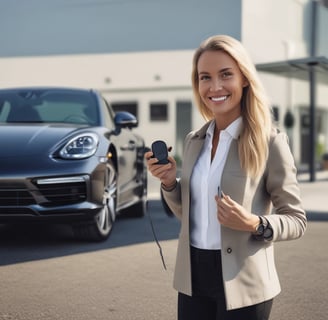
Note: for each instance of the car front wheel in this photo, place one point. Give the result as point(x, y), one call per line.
point(100, 227)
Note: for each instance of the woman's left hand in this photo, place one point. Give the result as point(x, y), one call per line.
point(232, 215)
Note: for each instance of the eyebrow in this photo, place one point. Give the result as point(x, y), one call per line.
point(226, 69)
point(221, 71)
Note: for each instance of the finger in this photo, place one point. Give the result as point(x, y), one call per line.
point(221, 216)
point(148, 155)
point(219, 204)
point(171, 159)
point(227, 199)
point(159, 168)
point(225, 196)
point(152, 161)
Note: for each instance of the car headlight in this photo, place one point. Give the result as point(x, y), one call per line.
point(80, 147)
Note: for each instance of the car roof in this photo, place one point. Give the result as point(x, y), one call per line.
point(48, 88)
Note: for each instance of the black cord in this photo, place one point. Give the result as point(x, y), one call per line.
point(155, 237)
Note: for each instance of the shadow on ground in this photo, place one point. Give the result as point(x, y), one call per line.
point(28, 242)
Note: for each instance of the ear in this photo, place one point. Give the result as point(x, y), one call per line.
point(245, 83)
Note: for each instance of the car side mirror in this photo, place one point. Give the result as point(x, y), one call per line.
point(124, 119)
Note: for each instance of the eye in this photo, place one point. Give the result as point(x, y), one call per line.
point(204, 77)
point(226, 75)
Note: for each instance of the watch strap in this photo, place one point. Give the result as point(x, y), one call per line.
point(264, 230)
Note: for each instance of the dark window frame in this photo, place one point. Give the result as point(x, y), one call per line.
point(159, 111)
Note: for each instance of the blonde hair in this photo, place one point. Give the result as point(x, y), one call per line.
point(255, 110)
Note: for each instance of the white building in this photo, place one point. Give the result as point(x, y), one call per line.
point(138, 53)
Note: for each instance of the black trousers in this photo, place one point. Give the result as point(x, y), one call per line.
point(208, 299)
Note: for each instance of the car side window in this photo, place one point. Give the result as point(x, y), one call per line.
point(4, 111)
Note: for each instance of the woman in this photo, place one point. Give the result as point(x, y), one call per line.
point(225, 263)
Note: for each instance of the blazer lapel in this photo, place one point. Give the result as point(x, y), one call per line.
point(234, 180)
point(194, 144)
point(193, 147)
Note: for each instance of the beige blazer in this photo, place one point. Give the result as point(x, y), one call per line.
point(248, 266)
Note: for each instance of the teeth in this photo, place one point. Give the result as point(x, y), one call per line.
point(219, 98)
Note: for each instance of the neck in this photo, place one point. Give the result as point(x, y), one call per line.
point(217, 131)
point(222, 124)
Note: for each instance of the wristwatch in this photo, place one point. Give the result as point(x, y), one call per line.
point(260, 229)
point(268, 233)
point(263, 230)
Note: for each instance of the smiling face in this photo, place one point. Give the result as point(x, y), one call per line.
point(220, 86)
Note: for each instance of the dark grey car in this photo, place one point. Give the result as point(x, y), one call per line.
point(66, 157)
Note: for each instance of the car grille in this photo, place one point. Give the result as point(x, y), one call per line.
point(16, 197)
point(63, 194)
point(16, 211)
point(47, 195)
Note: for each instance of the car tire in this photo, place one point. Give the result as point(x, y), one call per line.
point(101, 226)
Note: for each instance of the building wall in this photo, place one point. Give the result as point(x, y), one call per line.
point(281, 30)
point(48, 27)
point(322, 49)
point(270, 34)
point(142, 53)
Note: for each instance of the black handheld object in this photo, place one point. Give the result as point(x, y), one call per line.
point(220, 193)
point(160, 152)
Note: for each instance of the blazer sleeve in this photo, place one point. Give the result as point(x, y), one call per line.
point(173, 198)
point(288, 219)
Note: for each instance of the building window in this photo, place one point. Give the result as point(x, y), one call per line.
point(158, 112)
point(275, 111)
point(131, 107)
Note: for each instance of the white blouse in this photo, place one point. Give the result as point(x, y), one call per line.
point(205, 231)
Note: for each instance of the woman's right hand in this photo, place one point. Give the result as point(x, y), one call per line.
point(166, 173)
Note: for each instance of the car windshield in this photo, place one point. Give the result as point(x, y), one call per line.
point(48, 105)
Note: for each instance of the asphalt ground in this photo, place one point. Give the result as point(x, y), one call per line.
point(47, 275)
point(315, 195)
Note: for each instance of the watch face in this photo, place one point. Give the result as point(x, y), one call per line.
point(260, 229)
point(268, 233)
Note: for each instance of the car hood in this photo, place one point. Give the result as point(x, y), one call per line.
point(17, 140)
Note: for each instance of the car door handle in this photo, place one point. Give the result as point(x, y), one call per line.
point(130, 146)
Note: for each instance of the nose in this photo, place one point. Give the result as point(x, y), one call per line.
point(216, 85)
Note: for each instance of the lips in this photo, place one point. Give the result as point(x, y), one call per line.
point(219, 99)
